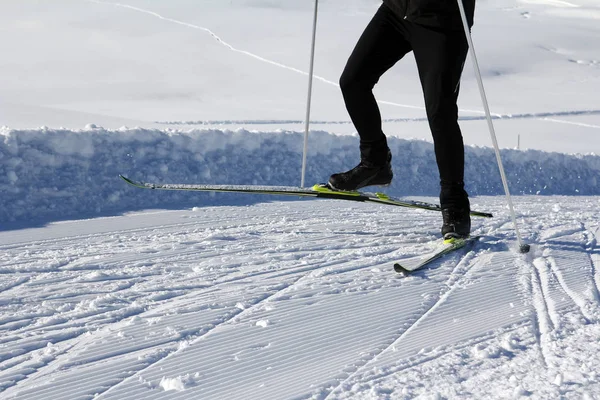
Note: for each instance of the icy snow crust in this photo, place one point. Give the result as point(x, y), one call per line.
point(50, 174)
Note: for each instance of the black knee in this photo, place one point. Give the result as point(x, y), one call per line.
point(351, 83)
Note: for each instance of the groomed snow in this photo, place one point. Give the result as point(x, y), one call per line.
point(299, 300)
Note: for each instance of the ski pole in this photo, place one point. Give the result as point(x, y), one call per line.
point(310, 81)
point(523, 248)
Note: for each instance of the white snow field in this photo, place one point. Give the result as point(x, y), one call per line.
point(112, 292)
point(299, 300)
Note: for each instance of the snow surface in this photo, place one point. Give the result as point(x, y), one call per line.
point(220, 296)
point(299, 300)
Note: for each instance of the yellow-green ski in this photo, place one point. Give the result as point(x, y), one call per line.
point(321, 191)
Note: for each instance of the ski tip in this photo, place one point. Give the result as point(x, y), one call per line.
point(131, 182)
point(481, 214)
point(126, 179)
point(382, 196)
point(400, 269)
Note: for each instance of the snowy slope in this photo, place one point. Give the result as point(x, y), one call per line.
point(299, 300)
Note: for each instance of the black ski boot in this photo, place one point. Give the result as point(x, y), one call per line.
point(457, 223)
point(364, 174)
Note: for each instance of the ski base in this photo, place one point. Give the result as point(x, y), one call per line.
point(318, 191)
point(448, 246)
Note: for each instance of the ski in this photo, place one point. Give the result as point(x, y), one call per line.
point(318, 191)
point(448, 246)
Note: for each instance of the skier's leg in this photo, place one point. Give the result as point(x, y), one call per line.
point(440, 57)
point(381, 45)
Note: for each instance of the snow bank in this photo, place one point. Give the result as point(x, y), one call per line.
point(48, 174)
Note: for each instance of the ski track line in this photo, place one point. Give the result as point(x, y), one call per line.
point(584, 305)
point(450, 284)
point(75, 321)
point(217, 38)
point(377, 374)
point(15, 284)
point(113, 320)
point(43, 243)
point(542, 276)
point(232, 319)
point(107, 330)
point(544, 116)
point(158, 256)
point(247, 53)
point(445, 350)
point(169, 304)
point(311, 267)
point(30, 372)
point(313, 330)
point(178, 253)
point(588, 305)
point(560, 121)
point(545, 279)
point(78, 322)
point(592, 247)
point(556, 3)
point(312, 274)
point(559, 231)
point(168, 228)
point(65, 346)
point(539, 317)
point(62, 321)
point(165, 230)
point(53, 365)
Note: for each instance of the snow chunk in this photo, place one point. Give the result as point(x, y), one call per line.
point(12, 177)
point(558, 381)
point(263, 323)
point(483, 351)
point(135, 320)
point(179, 383)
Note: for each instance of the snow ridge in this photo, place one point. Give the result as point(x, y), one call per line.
point(55, 174)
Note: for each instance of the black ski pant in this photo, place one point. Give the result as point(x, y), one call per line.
point(440, 56)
